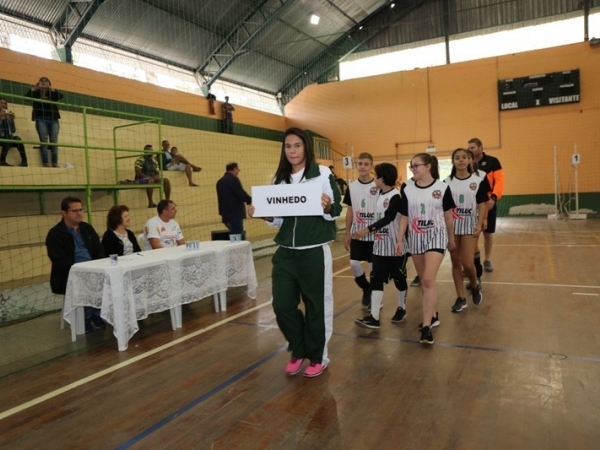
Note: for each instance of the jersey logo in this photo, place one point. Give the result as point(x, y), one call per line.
point(473, 186)
point(381, 234)
point(373, 191)
point(436, 194)
point(364, 217)
point(456, 215)
point(386, 203)
point(420, 226)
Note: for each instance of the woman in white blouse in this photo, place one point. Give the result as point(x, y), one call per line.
point(118, 239)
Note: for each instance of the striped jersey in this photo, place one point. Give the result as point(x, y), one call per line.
point(362, 197)
point(387, 213)
point(424, 207)
point(467, 194)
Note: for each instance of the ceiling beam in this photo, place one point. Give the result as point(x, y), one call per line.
point(326, 64)
point(70, 24)
point(238, 39)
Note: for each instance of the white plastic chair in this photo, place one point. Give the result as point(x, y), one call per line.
point(143, 242)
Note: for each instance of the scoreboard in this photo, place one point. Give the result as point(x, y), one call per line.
point(555, 88)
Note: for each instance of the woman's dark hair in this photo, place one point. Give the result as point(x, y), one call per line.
point(469, 168)
point(284, 170)
point(114, 217)
point(387, 172)
point(473, 164)
point(428, 158)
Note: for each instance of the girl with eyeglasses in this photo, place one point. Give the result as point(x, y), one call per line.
point(470, 193)
point(426, 204)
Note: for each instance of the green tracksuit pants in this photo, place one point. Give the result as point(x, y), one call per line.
point(307, 275)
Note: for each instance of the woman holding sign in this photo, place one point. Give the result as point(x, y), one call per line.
point(302, 265)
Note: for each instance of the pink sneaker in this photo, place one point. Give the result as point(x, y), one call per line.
point(294, 366)
point(314, 370)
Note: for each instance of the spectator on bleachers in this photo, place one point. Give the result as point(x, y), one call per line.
point(173, 160)
point(7, 131)
point(162, 230)
point(46, 116)
point(146, 172)
point(69, 242)
point(118, 239)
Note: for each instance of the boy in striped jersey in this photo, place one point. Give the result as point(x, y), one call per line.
point(427, 206)
point(470, 193)
point(361, 198)
point(386, 263)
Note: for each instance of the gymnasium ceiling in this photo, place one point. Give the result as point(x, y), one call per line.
point(270, 45)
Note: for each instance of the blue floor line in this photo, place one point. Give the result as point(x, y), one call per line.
point(157, 426)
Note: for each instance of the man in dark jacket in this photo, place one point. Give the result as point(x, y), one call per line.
point(232, 197)
point(69, 242)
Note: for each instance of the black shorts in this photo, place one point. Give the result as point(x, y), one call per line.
point(491, 221)
point(387, 268)
point(361, 250)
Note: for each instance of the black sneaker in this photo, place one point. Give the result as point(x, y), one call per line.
point(435, 322)
point(416, 282)
point(487, 266)
point(459, 305)
point(399, 316)
point(88, 326)
point(426, 336)
point(477, 296)
point(98, 322)
point(366, 298)
point(478, 284)
point(368, 322)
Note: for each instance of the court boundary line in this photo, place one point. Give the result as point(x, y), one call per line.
point(114, 368)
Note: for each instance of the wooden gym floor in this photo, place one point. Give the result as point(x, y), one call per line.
point(520, 371)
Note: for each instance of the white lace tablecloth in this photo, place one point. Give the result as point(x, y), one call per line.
point(157, 280)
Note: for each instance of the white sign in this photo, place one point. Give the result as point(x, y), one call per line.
point(282, 200)
point(575, 159)
point(347, 161)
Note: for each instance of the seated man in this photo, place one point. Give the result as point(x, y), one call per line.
point(172, 160)
point(162, 230)
point(146, 171)
point(7, 130)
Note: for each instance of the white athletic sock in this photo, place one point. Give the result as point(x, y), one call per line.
point(376, 300)
point(402, 299)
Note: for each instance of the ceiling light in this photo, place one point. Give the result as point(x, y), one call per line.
point(392, 5)
point(360, 28)
point(314, 19)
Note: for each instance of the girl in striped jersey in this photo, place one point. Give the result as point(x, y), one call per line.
point(470, 194)
point(427, 205)
point(386, 264)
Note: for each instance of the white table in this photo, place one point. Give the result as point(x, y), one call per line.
point(157, 280)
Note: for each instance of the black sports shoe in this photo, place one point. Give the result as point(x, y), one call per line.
point(98, 322)
point(459, 305)
point(399, 316)
point(487, 266)
point(416, 282)
point(368, 322)
point(435, 322)
point(477, 296)
point(478, 284)
point(426, 336)
point(366, 298)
